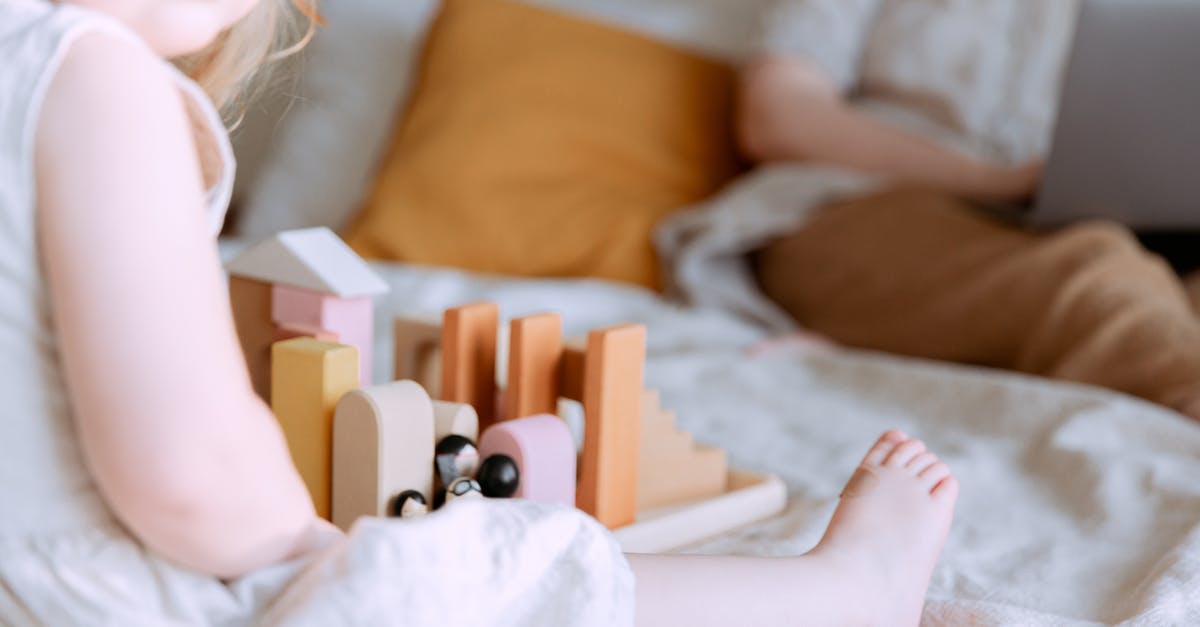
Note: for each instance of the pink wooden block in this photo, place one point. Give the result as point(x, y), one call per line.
point(292, 331)
point(352, 319)
point(544, 451)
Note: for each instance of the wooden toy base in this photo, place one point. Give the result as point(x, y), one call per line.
point(750, 497)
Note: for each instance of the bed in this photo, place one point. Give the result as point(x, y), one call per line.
point(1078, 505)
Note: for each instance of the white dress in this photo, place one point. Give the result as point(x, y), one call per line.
point(64, 559)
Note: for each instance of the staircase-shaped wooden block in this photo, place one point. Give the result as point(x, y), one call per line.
point(672, 468)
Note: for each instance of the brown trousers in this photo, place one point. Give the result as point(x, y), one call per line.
point(923, 274)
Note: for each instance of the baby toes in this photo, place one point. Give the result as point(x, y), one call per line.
point(904, 453)
point(934, 474)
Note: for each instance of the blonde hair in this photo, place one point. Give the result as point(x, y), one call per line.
point(231, 69)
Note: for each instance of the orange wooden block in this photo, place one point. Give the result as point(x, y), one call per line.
point(570, 371)
point(308, 377)
point(251, 302)
point(293, 331)
point(469, 358)
point(535, 352)
point(612, 402)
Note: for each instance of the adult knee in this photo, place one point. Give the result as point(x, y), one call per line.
point(1088, 242)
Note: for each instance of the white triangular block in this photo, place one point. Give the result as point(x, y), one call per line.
point(313, 259)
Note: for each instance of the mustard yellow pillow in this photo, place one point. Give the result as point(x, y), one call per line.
point(540, 144)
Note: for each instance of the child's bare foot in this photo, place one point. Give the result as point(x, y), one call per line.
point(871, 568)
point(890, 527)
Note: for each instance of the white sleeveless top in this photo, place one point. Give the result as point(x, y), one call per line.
point(44, 486)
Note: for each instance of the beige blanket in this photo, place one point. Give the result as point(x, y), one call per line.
point(1078, 505)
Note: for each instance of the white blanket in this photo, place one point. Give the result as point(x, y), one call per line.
point(1078, 505)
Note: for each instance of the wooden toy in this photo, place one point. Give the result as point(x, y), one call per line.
point(251, 302)
point(672, 468)
point(535, 350)
point(749, 497)
point(307, 378)
point(382, 446)
point(454, 418)
point(352, 319)
point(542, 448)
point(291, 331)
point(409, 504)
point(463, 487)
point(498, 476)
point(469, 358)
point(612, 396)
point(639, 474)
point(418, 352)
point(306, 259)
point(454, 457)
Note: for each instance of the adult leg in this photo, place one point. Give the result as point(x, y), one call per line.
point(872, 567)
point(921, 273)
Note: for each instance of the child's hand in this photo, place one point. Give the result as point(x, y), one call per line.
point(321, 535)
point(1010, 183)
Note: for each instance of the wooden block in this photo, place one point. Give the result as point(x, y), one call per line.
point(535, 351)
point(659, 437)
point(469, 358)
point(308, 377)
point(570, 377)
point(544, 452)
point(313, 259)
point(251, 303)
point(612, 396)
point(455, 419)
point(750, 497)
point(352, 319)
point(383, 439)
point(664, 480)
point(292, 331)
point(417, 352)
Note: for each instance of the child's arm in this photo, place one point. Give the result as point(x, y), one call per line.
point(790, 110)
point(185, 454)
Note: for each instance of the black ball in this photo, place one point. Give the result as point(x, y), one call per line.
point(454, 457)
point(499, 476)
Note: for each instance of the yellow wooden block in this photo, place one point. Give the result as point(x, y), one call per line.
point(308, 377)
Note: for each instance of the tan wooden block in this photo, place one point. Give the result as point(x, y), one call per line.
point(308, 377)
point(612, 399)
point(659, 437)
point(417, 352)
point(696, 474)
point(251, 303)
point(383, 440)
point(469, 358)
point(455, 418)
point(535, 352)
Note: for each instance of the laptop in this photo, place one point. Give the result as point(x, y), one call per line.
point(1126, 145)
